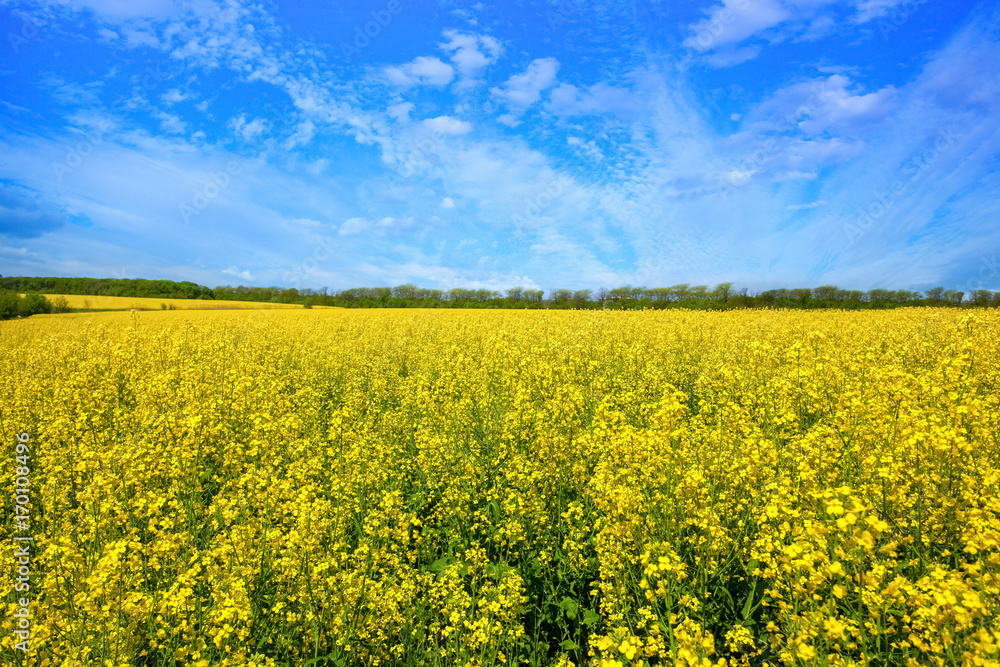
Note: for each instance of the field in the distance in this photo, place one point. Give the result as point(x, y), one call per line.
point(420, 487)
point(87, 302)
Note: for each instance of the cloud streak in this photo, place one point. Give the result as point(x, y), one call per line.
point(436, 158)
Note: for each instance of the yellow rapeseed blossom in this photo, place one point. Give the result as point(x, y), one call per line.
point(504, 487)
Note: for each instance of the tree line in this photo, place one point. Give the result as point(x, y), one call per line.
point(722, 297)
point(131, 287)
point(14, 305)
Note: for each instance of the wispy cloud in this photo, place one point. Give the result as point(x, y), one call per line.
point(525, 89)
point(424, 70)
point(480, 157)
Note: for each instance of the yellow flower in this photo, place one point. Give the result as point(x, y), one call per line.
point(805, 652)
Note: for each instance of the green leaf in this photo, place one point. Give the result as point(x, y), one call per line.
point(590, 617)
point(749, 607)
point(569, 605)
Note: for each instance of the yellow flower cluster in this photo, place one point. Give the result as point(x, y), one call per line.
point(507, 487)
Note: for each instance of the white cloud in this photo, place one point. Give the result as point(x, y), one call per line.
point(510, 120)
point(15, 252)
point(657, 183)
point(568, 100)
point(822, 26)
point(872, 9)
point(378, 227)
point(803, 207)
point(586, 148)
point(317, 167)
point(447, 202)
point(734, 21)
point(401, 111)
point(522, 90)
point(173, 96)
point(826, 104)
point(234, 271)
point(171, 123)
point(471, 54)
point(729, 56)
point(304, 133)
point(247, 130)
point(447, 125)
point(729, 23)
point(424, 70)
point(131, 9)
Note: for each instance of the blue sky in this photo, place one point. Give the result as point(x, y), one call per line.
point(771, 143)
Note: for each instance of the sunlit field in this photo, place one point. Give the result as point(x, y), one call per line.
point(87, 302)
point(424, 487)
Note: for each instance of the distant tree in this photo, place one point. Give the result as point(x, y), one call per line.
point(802, 295)
point(534, 295)
point(680, 292)
point(9, 304)
point(825, 293)
point(619, 294)
point(561, 298)
point(33, 303)
point(515, 294)
point(699, 291)
point(934, 294)
point(60, 304)
point(581, 298)
point(483, 295)
point(460, 294)
point(288, 295)
point(879, 297)
point(407, 291)
point(722, 291)
point(658, 294)
point(982, 297)
point(904, 296)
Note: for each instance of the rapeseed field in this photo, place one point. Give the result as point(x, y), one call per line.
point(90, 302)
point(418, 487)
